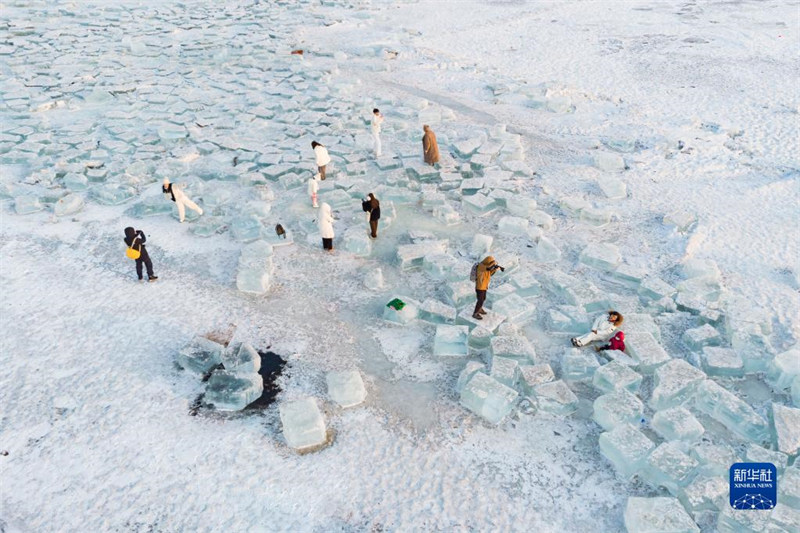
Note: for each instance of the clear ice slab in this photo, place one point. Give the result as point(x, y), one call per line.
point(617, 408)
point(657, 515)
point(626, 448)
point(602, 256)
point(786, 428)
point(436, 312)
point(346, 387)
point(515, 308)
point(578, 365)
point(675, 384)
point(505, 370)
point(233, 391)
point(242, 358)
point(451, 341)
point(646, 350)
point(303, 424)
point(488, 398)
point(615, 376)
point(532, 375)
point(669, 467)
point(677, 424)
point(200, 355)
point(513, 347)
point(718, 361)
point(556, 397)
point(727, 409)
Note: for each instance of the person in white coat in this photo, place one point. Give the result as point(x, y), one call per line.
point(174, 193)
point(377, 120)
point(313, 188)
point(602, 329)
point(325, 224)
point(322, 157)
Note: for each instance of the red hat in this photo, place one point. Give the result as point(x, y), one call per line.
point(620, 336)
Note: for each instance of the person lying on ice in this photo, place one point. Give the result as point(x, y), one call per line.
point(602, 329)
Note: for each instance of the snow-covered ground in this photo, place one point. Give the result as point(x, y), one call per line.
point(700, 99)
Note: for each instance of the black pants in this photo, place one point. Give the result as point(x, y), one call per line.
point(327, 243)
point(373, 226)
point(322, 171)
point(481, 299)
point(144, 258)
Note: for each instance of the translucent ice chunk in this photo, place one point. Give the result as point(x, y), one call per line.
point(303, 424)
point(479, 205)
point(786, 428)
point(68, 205)
point(669, 467)
point(471, 368)
point(155, 205)
point(657, 515)
point(675, 383)
point(436, 312)
point(460, 292)
point(76, 182)
point(784, 367)
point(653, 288)
point(200, 355)
point(556, 397)
point(516, 308)
point(646, 351)
point(513, 347)
point(617, 408)
point(488, 398)
point(209, 226)
point(785, 518)
point(626, 448)
point(789, 487)
point(730, 411)
point(490, 321)
point(532, 375)
point(505, 370)
point(471, 186)
point(346, 388)
point(567, 319)
point(242, 358)
point(257, 254)
point(641, 322)
point(561, 286)
point(680, 220)
point(356, 241)
point(374, 279)
point(440, 266)
point(616, 376)
point(612, 187)
point(578, 365)
point(573, 205)
point(111, 194)
point(172, 132)
point(796, 391)
point(697, 338)
point(609, 162)
point(467, 148)
point(603, 256)
point(412, 255)
point(480, 337)
point(759, 454)
point(596, 216)
point(722, 362)
point(714, 459)
point(677, 424)
point(516, 226)
point(246, 228)
point(547, 251)
point(705, 493)
point(742, 521)
point(403, 316)
point(446, 215)
point(451, 341)
point(252, 279)
point(233, 391)
point(526, 284)
point(629, 276)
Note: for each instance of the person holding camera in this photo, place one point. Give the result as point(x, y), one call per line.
point(135, 239)
point(486, 270)
point(372, 206)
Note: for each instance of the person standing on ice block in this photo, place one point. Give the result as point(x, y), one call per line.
point(485, 271)
point(377, 120)
point(325, 224)
point(430, 148)
point(173, 192)
point(603, 327)
point(135, 239)
point(322, 157)
point(313, 188)
point(372, 206)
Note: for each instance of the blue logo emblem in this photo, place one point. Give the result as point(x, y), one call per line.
point(754, 486)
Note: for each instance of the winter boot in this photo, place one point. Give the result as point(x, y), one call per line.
point(152, 278)
point(477, 316)
point(574, 342)
point(482, 311)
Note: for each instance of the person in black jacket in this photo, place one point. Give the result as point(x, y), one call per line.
point(135, 239)
point(372, 206)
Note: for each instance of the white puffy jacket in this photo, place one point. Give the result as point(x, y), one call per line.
point(325, 221)
point(322, 156)
point(313, 185)
point(603, 326)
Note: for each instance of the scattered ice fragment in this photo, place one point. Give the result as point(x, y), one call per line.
point(480, 337)
point(722, 362)
point(612, 188)
point(68, 205)
point(596, 216)
point(542, 220)
point(629, 275)
point(441, 266)
point(568, 319)
point(784, 368)
point(609, 162)
point(647, 352)
point(714, 459)
point(516, 226)
point(111, 194)
point(451, 341)
point(617, 408)
point(789, 487)
point(677, 424)
point(233, 391)
point(556, 397)
point(303, 424)
point(520, 206)
point(505, 370)
point(374, 279)
point(200, 355)
point(626, 448)
point(515, 308)
point(616, 376)
point(436, 312)
point(24, 205)
point(357, 241)
point(578, 365)
point(346, 388)
point(759, 454)
point(412, 255)
point(786, 426)
point(681, 220)
point(697, 338)
point(460, 292)
point(657, 515)
point(655, 289)
point(573, 205)
point(513, 347)
point(675, 383)
point(705, 493)
point(479, 204)
point(603, 256)
point(242, 358)
point(727, 409)
point(246, 228)
point(446, 215)
point(532, 375)
point(490, 321)
point(469, 370)
point(785, 518)
point(547, 251)
point(407, 312)
point(488, 398)
point(526, 284)
point(669, 467)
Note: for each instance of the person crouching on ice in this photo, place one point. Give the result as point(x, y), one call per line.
point(603, 327)
point(486, 270)
point(173, 192)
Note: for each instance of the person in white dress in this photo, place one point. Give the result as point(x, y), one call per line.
point(377, 120)
point(325, 224)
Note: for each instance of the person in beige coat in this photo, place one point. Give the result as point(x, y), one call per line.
point(430, 148)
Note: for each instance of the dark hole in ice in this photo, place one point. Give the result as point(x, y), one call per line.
point(271, 368)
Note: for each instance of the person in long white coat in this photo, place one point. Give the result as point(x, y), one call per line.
point(325, 224)
point(603, 329)
point(174, 193)
point(313, 189)
point(322, 157)
point(377, 120)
